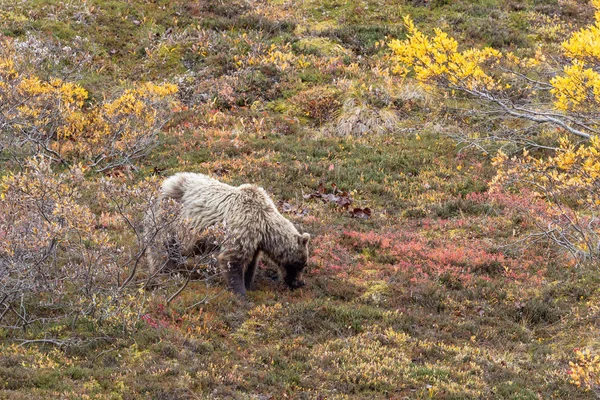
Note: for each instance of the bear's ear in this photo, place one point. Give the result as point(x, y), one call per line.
point(304, 238)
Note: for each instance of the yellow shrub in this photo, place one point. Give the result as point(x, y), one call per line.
point(585, 370)
point(437, 60)
point(57, 119)
point(568, 179)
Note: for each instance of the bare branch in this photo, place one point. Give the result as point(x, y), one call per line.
point(531, 116)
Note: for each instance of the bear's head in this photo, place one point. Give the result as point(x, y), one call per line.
point(295, 264)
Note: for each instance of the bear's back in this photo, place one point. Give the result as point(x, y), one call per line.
point(203, 199)
point(207, 201)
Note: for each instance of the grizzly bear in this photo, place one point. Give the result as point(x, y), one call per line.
point(251, 219)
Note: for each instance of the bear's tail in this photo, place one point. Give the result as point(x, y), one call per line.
point(175, 186)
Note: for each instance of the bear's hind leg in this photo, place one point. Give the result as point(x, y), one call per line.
point(175, 259)
point(233, 266)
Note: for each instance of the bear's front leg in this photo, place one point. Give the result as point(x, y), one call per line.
point(234, 272)
point(251, 271)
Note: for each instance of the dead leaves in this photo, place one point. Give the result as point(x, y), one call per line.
point(341, 199)
point(220, 171)
point(362, 213)
point(287, 208)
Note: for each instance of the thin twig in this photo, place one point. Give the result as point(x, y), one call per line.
point(59, 343)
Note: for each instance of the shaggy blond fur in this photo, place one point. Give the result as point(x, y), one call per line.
point(249, 216)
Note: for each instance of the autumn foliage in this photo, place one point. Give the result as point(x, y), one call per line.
point(483, 73)
point(58, 258)
point(566, 179)
point(57, 119)
point(585, 370)
point(442, 154)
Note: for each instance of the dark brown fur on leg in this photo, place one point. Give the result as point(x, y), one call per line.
point(234, 271)
point(251, 271)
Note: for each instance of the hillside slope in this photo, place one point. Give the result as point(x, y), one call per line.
point(419, 283)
